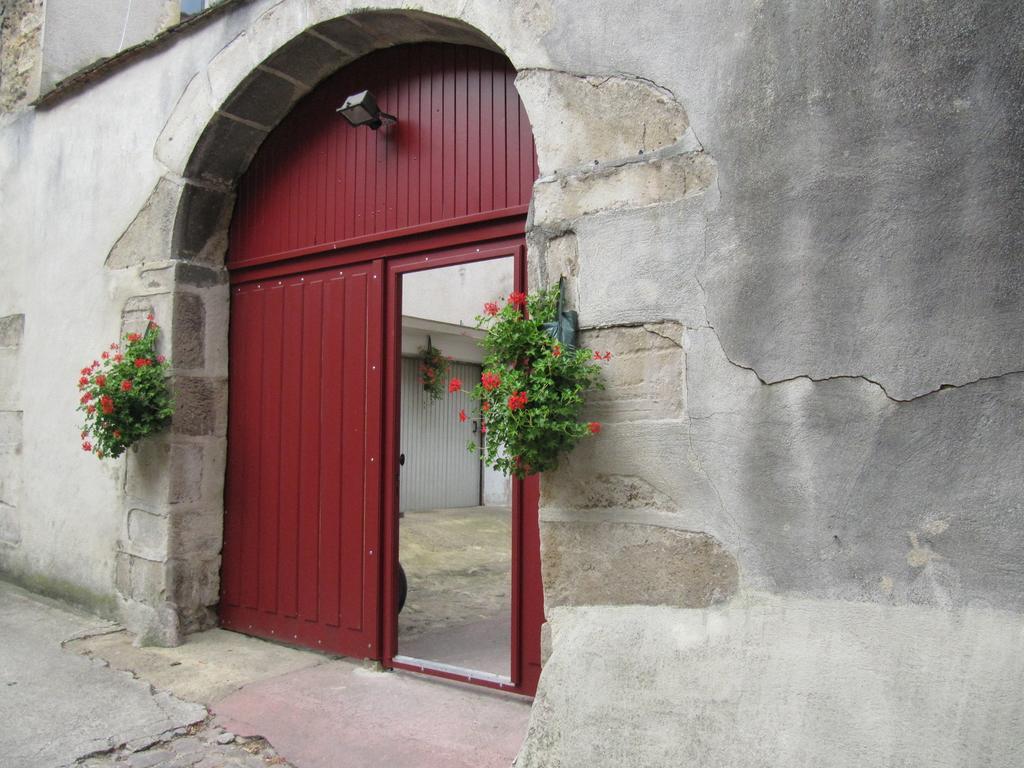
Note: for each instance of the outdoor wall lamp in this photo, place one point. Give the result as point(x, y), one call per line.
point(361, 109)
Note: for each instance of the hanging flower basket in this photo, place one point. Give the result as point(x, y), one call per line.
point(124, 395)
point(531, 392)
point(434, 368)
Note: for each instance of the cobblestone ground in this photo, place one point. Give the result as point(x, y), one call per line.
point(200, 746)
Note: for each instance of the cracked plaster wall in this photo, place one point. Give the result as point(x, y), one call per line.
point(800, 258)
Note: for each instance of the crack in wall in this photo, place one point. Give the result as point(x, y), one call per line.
point(855, 377)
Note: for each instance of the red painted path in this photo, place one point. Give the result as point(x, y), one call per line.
point(340, 715)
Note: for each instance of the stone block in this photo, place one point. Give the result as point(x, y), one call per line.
point(308, 59)
point(201, 225)
point(10, 428)
point(644, 472)
point(551, 258)
point(217, 305)
point(186, 473)
point(189, 328)
point(578, 119)
point(195, 582)
point(199, 276)
point(11, 476)
point(200, 406)
point(352, 38)
point(157, 276)
point(214, 463)
point(197, 532)
point(136, 312)
point(610, 563)
point(545, 643)
point(148, 237)
point(642, 266)
point(140, 579)
point(561, 199)
point(12, 330)
point(263, 98)
point(224, 150)
point(10, 377)
point(147, 530)
point(162, 628)
point(185, 125)
point(147, 476)
point(644, 379)
point(10, 525)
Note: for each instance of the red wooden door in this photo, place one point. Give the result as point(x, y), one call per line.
point(303, 492)
point(320, 210)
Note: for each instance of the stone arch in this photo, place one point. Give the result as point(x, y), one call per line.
point(590, 149)
point(266, 94)
point(168, 564)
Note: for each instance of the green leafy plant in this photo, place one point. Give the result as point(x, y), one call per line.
point(434, 368)
point(531, 390)
point(124, 395)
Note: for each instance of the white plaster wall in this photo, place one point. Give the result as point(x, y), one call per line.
point(73, 178)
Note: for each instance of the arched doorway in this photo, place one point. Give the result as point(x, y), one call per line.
point(329, 221)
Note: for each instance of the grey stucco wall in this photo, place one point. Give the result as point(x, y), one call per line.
point(798, 228)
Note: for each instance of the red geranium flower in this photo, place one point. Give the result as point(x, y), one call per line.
point(462, 415)
point(101, 380)
point(517, 401)
point(491, 308)
point(86, 397)
point(607, 356)
point(517, 299)
point(485, 407)
point(82, 382)
point(87, 446)
point(556, 351)
point(105, 355)
point(150, 317)
point(142, 362)
point(118, 357)
point(491, 381)
point(126, 385)
point(454, 385)
point(113, 345)
point(594, 427)
point(86, 371)
point(117, 434)
point(160, 359)
point(133, 337)
point(107, 404)
point(90, 409)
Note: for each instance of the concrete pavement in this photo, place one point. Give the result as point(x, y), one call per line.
point(75, 691)
point(57, 707)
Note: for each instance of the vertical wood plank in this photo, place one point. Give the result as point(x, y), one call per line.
point(309, 470)
point(331, 417)
point(270, 448)
point(291, 445)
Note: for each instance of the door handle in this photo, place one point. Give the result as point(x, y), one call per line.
point(401, 459)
